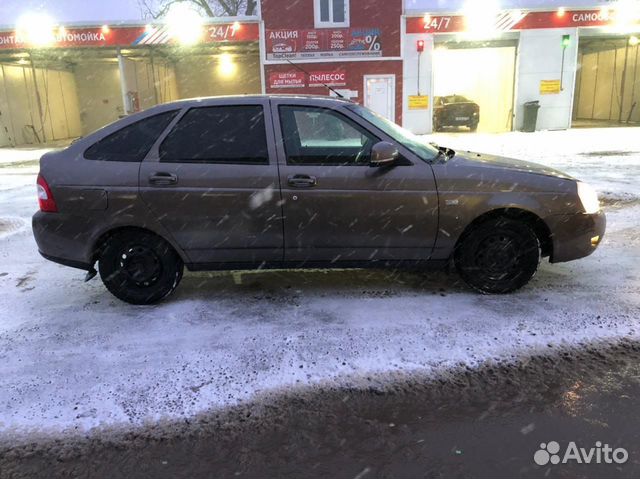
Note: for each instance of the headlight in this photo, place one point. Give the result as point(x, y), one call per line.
point(588, 198)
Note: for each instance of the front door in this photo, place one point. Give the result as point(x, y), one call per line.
point(213, 183)
point(379, 94)
point(336, 207)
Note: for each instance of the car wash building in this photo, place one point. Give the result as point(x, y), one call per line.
point(75, 79)
point(578, 59)
point(405, 59)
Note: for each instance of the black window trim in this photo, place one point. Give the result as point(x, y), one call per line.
point(334, 110)
point(185, 111)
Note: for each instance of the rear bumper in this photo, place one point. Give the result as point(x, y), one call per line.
point(454, 122)
point(575, 236)
point(67, 262)
point(61, 240)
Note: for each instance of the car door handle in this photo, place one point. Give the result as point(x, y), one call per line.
point(163, 178)
point(302, 181)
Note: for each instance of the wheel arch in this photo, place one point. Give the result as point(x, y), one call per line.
point(102, 239)
point(536, 223)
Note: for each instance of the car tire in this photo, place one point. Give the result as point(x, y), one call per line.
point(473, 127)
point(498, 256)
point(139, 267)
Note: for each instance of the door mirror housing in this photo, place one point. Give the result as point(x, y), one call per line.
point(383, 154)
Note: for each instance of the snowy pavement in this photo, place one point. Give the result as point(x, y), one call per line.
point(73, 358)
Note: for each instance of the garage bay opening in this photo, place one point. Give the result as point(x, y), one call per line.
point(474, 86)
point(607, 82)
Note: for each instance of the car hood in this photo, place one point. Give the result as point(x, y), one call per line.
point(470, 158)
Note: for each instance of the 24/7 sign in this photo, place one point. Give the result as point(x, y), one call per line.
point(510, 20)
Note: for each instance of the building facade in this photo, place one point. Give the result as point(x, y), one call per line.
point(80, 78)
point(353, 47)
point(577, 58)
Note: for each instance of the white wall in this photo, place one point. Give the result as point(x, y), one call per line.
point(99, 95)
point(154, 82)
point(205, 75)
point(540, 58)
point(417, 121)
point(20, 117)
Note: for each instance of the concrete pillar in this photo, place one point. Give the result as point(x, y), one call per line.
point(126, 107)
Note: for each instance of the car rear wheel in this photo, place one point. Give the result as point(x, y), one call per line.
point(139, 267)
point(498, 256)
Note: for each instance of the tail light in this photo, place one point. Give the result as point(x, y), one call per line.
point(45, 197)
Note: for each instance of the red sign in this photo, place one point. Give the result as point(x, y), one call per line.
point(321, 43)
point(514, 20)
point(131, 36)
point(293, 79)
point(330, 78)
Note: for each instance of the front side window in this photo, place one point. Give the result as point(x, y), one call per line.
point(133, 142)
point(218, 134)
point(331, 13)
point(318, 136)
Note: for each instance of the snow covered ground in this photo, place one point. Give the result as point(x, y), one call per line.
point(74, 358)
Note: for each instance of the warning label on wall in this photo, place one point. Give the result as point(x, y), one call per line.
point(418, 102)
point(549, 87)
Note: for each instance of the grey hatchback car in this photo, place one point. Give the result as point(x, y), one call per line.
point(251, 182)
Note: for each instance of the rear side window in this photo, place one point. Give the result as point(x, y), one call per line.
point(218, 134)
point(133, 142)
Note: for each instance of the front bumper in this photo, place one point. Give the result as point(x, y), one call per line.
point(575, 236)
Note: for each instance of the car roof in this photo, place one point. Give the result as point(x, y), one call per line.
point(226, 98)
point(203, 102)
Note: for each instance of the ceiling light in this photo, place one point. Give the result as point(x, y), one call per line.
point(184, 24)
point(36, 29)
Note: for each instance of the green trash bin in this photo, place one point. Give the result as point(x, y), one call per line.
point(530, 116)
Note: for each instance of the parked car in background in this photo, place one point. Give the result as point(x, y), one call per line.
point(291, 181)
point(455, 110)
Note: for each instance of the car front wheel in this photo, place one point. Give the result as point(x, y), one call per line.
point(498, 256)
point(139, 267)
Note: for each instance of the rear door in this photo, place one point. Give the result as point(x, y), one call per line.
point(336, 207)
point(212, 180)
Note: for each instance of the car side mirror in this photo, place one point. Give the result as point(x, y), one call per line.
point(383, 154)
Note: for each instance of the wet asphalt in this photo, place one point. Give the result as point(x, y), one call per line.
point(465, 423)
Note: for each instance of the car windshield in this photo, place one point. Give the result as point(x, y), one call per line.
point(424, 150)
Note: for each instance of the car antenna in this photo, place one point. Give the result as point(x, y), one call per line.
point(338, 94)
